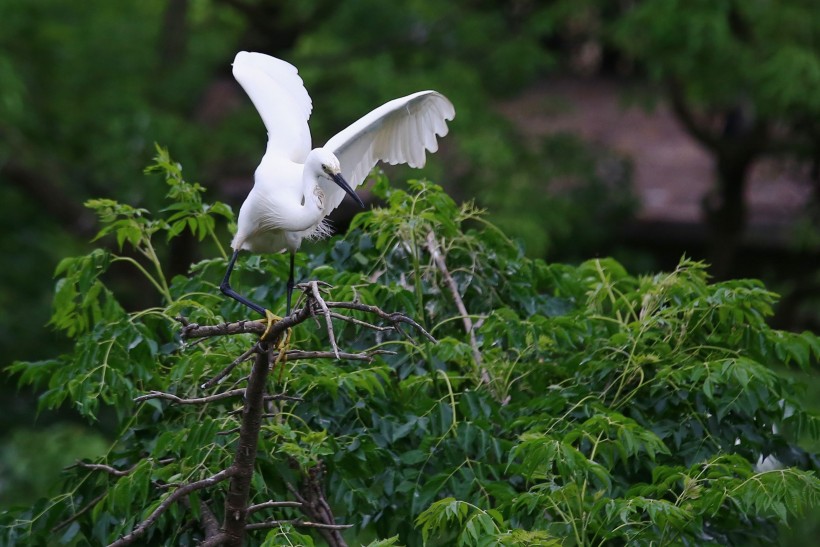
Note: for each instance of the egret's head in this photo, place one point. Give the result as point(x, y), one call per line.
point(330, 169)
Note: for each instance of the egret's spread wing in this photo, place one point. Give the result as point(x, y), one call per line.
point(280, 97)
point(400, 131)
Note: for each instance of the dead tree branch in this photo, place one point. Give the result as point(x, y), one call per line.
point(107, 468)
point(320, 303)
point(192, 401)
point(441, 264)
point(271, 503)
point(296, 522)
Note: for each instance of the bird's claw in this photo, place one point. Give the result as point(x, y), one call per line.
point(271, 319)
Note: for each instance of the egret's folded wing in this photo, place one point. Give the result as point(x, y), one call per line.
point(279, 95)
point(400, 131)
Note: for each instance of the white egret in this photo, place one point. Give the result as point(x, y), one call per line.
point(295, 187)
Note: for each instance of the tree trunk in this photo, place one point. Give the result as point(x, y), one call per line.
point(236, 503)
point(726, 212)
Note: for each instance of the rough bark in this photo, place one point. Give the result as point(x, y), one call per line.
point(236, 503)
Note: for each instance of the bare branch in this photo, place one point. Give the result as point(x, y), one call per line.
point(360, 322)
point(314, 287)
point(107, 468)
point(236, 509)
point(282, 397)
point(299, 315)
point(195, 330)
point(441, 264)
point(137, 532)
point(271, 503)
point(296, 522)
point(192, 401)
point(113, 470)
point(297, 354)
point(227, 370)
point(395, 318)
point(209, 523)
point(315, 506)
point(79, 513)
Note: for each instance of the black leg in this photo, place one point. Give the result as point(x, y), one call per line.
point(226, 289)
point(290, 283)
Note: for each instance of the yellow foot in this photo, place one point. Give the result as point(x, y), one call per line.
point(284, 345)
point(271, 320)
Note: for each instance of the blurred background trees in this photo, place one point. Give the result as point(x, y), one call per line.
point(87, 88)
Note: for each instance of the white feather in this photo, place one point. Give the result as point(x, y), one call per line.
point(400, 131)
point(293, 191)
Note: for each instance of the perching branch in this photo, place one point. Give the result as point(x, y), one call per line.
point(266, 355)
point(299, 315)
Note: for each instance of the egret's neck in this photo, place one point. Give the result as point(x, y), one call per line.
point(309, 210)
point(313, 196)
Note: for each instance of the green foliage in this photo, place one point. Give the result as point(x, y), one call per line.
point(591, 406)
point(722, 51)
point(31, 461)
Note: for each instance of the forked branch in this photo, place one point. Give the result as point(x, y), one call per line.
point(266, 354)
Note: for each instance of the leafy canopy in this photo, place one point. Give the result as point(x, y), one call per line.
point(589, 405)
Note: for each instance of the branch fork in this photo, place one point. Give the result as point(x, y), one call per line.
point(265, 354)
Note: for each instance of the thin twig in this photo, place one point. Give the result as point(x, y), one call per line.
point(318, 282)
point(271, 503)
point(79, 513)
point(227, 370)
point(314, 286)
point(360, 322)
point(283, 397)
point(192, 401)
point(438, 259)
point(395, 318)
point(137, 532)
point(113, 470)
point(107, 468)
point(296, 522)
point(297, 354)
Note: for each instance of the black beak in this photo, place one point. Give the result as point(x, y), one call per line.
point(339, 179)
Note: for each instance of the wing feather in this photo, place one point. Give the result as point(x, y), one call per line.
point(281, 99)
point(399, 131)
